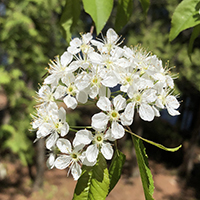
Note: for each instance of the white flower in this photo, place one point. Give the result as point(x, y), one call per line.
point(71, 158)
point(100, 120)
point(108, 43)
point(77, 45)
point(45, 95)
point(70, 94)
point(55, 125)
point(111, 70)
point(168, 101)
point(98, 143)
point(91, 83)
point(142, 100)
point(58, 69)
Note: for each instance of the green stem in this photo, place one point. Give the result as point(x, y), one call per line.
point(71, 129)
point(81, 127)
point(153, 143)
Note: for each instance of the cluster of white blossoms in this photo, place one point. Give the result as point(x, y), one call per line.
point(88, 71)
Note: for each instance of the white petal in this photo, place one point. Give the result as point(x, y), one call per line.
point(107, 150)
point(126, 121)
point(128, 114)
point(66, 58)
point(172, 102)
point(104, 92)
point(119, 102)
point(149, 95)
point(76, 171)
point(117, 130)
point(170, 81)
point(87, 37)
point(64, 130)
point(94, 90)
point(100, 121)
point(78, 148)
point(110, 80)
point(72, 67)
point(76, 42)
point(60, 92)
point(82, 97)
point(111, 36)
point(92, 153)
point(44, 130)
point(96, 43)
point(95, 58)
point(68, 79)
point(70, 102)
point(104, 104)
point(82, 137)
point(64, 145)
point(50, 161)
point(159, 103)
point(130, 110)
point(82, 81)
point(51, 140)
point(108, 135)
point(62, 162)
point(62, 114)
point(172, 111)
point(51, 79)
point(146, 112)
point(87, 163)
point(156, 111)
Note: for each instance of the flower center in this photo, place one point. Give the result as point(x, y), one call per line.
point(98, 138)
point(74, 156)
point(114, 115)
point(95, 80)
point(71, 90)
point(138, 97)
point(58, 126)
point(129, 79)
point(162, 98)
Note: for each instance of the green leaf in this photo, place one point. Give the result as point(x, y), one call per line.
point(186, 15)
point(94, 182)
point(145, 5)
point(115, 168)
point(5, 78)
point(124, 11)
point(145, 172)
point(195, 34)
point(69, 18)
point(154, 143)
point(99, 10)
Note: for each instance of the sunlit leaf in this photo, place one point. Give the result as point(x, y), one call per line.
point(99, 11)
point(145, 172)
point(94, 182)
point(185, 16)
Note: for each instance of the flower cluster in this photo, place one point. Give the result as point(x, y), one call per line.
point(87, 71)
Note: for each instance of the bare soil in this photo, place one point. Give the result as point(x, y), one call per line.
point(57, 186)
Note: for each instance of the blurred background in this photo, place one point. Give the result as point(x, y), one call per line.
point(30, 35)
